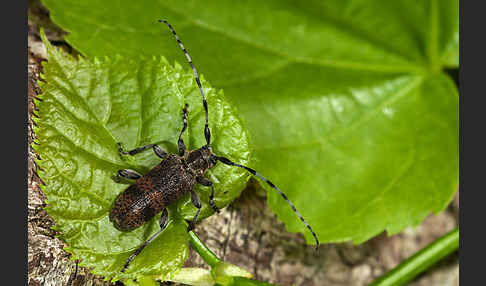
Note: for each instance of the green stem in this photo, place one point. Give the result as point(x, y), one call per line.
point(207, 255)
point(420, 261)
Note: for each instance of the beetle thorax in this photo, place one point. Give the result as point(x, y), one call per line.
point(200, 160)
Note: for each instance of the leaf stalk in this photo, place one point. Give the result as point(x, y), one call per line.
point(420, 261)
point(207, 255)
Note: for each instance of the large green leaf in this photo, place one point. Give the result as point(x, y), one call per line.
point(346, 102)
point(86, 107)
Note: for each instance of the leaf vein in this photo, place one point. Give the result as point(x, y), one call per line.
point(354, 125)
point(75, 93)
point(67, 138)
point(378, 196)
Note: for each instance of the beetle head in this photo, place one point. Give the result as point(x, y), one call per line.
point(208, 156)
point(201, 160)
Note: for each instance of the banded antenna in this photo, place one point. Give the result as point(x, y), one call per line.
point(224, 160)
point(207, 133)
point(255, 173)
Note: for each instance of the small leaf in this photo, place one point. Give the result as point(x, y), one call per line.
point(147, 281)
point(86, 107)
point(227, 269)
point(192, 276)
point(224, 272)
point(130, 282)
point(241, 281)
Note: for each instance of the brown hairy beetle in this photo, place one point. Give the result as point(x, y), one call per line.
point(175, 176)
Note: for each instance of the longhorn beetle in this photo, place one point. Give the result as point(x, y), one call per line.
point(175, 176)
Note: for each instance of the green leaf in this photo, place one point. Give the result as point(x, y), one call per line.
point(192, 276)
point(223, 274)
point(227, 269)
point(130, 282)
point(86, 107)
point(147, 281)
point(349, 110)
point(241, 281)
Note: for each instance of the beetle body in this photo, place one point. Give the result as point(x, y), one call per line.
point(175, 176)
point(160, 187)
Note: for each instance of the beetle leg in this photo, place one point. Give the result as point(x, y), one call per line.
point(197, 203)
point(128, 174)
point(180, 142)
point(164, 219)
point(206, 182)
point(157, 150)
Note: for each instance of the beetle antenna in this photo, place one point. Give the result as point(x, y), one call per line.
point(229, 162)
point(207, 133)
